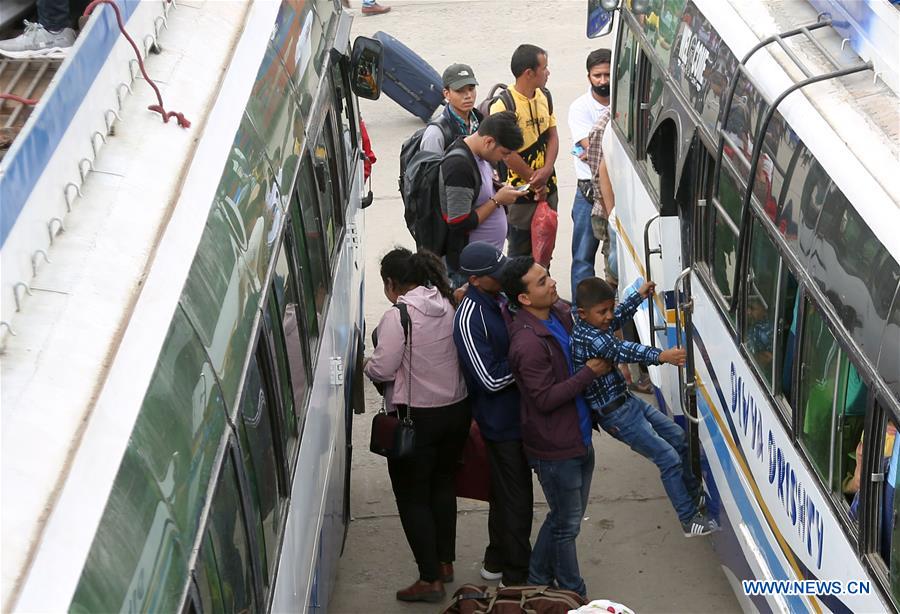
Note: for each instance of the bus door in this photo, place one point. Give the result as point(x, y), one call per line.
point(656, 146)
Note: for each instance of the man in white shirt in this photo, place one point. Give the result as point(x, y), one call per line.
point(583, 114)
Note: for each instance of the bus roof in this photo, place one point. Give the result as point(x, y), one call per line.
point(860, 111)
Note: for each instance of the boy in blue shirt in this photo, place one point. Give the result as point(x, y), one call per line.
point(645, 429)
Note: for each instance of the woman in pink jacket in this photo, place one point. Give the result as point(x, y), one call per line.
point(426, 376)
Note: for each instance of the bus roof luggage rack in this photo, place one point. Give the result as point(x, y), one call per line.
point(28, 79)
point(750, 165)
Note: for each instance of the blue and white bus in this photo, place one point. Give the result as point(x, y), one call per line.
point(182, 312)
point(753, 153)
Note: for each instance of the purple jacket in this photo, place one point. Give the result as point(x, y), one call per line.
point(550, 429)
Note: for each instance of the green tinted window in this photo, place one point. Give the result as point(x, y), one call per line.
point(851, 407)
point(207, 575)
point(258, 445)
point(624, 81)
point(819, 358)
point(307, 225)
point(220, 300)
point(290, 308)
point(762, 295)
point(328, 181)
point(228, 538)
point(151, 517)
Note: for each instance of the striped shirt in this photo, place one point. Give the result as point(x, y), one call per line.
point(590, 342)
point(594, 157)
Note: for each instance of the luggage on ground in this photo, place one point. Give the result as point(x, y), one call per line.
point(409, 80)
point(475, 599)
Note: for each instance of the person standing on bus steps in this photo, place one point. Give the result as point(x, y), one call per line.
point(459, 117)
point(482, 341)
point(583, 115)
point(556, 422)
point(648, 431)
point(426, 375)
point(533, 162)
point(469, 203)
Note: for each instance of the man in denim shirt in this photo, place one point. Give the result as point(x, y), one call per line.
point(648, 431)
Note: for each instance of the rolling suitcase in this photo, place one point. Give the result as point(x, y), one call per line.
point(409, 80)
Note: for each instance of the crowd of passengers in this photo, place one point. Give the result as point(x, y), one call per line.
point(489, 338)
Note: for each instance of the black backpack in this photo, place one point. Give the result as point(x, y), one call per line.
point(419, 171)
point(500, 91)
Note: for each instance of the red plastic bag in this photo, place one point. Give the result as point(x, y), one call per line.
point(543, 233)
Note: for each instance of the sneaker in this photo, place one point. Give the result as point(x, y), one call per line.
point(700, 524)
point(38, 42)
point(375, 9)
point(490, 576)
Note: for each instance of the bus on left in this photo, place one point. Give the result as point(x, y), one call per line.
point(182, 316)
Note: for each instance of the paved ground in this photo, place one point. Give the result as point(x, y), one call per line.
point(630, 548)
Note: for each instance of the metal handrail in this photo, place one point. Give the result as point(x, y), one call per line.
point(683, 385)
point(651, 308)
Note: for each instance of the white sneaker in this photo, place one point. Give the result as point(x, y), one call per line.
point(490, 576)
point(38, 42)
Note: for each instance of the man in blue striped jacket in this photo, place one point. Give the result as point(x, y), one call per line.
point(483, 344)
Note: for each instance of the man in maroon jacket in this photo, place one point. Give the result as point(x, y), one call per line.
point(556, 423)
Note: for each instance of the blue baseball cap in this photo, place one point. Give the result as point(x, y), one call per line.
point(481, 258)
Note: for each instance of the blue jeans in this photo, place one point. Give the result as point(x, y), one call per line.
point(652, 434)
point(612, 264)
point(584, 243)
point(566, 485)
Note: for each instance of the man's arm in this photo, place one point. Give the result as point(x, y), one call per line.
point(457, 187)
point(491, 372)
point(606, 191)
point(534, 375)
point(542, 175)
point(517, 165)
point(580, 125)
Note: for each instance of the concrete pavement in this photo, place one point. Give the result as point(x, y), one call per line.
point(630, 548)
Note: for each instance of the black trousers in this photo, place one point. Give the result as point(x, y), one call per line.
point(423, 485)
point(54, 14)
point(511, 513)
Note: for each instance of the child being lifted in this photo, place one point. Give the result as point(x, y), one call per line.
point(648, 431)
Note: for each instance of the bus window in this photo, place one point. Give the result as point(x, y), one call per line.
point(760, 311)
point(307, 227)
point(786, 340)
point(781, 156)
point(343, 104)
point(743, 119)
point(819, 357)
point(227, 538)
point(659, 147)
point(625, 78)
point(329, 185)
point(725, 235)
point(851, 407)
point(263, 456)
point(287, 419)
point(207, 576)
point(290, 312)
point(668, 18)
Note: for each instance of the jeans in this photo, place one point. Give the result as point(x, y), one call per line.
point(612, 264)
point(653, 435)
point(584, 243)
point(566, 485)
point(423, 485)
point(511, 513)
point(54, 14)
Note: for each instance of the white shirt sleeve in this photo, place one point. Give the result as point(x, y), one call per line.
point(580, 119)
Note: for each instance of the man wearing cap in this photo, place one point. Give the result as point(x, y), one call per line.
point(482, 341)
point(460, 117)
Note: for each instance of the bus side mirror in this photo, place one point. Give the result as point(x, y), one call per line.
point(366, 67)
point(600, 17)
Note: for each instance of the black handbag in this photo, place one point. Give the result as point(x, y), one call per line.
point(394, 436)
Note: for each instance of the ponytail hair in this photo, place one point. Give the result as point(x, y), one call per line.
point(423, 268)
